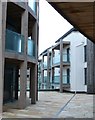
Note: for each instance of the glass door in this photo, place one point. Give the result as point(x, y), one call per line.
point(10, 81)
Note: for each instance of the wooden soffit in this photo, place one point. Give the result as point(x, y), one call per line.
point(80, 14)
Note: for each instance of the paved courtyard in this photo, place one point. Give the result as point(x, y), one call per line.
point(56, 105)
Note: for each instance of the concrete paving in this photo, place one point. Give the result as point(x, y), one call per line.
point(51, 105)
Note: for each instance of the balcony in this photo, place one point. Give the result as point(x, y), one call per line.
point(31, 48)
point(14, 42)
point(66, 58)
point(66, 79)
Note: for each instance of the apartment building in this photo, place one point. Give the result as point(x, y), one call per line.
point(79, 19)
point(18, 52)
point(68, 60)
point(44, 70)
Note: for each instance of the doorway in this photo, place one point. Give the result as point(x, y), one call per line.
point(10, 84)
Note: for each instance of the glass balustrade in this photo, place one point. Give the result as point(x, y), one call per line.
point(66, 57)
point(66, 79)
point(56, 59)
point(45, 65)
point(31, 48)
point(39, 67)
point(56, 79)
point(32, 5)
point(14, 41)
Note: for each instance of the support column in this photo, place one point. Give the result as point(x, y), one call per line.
point(52, 69)
point(33, 78)
point(48, 80)
point(61, 66)
point(3, 8)
point(35, 38)
point(23, 82)
point(23, 67)
point(90, 67)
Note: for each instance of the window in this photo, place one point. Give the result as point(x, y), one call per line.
point(68, 75)
point(85, 53)
point(85, 76)
point(68, 54)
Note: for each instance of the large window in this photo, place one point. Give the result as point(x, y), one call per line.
point(85, 53)
point(85, 76)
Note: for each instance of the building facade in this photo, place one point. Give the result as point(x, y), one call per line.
point(18, 52)
point(68, 58)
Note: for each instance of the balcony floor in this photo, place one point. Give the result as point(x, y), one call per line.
point(50, 103)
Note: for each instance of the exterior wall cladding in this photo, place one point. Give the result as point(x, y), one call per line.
point(65, 68)
point(18, 52)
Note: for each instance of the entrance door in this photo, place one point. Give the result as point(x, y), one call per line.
point(10, 84)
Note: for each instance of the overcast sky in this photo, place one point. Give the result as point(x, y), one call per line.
point(51, 25)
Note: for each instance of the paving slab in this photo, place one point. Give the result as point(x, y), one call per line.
point(81, 106)
point(50, 103)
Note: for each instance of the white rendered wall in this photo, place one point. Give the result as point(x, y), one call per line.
point(77, 42)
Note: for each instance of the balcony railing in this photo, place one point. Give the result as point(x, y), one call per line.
point(31, 48)
point(66, 79)
point(14, 41)
point(56, 79)
point(56, 59)
point(45, 65)
point(66, 57)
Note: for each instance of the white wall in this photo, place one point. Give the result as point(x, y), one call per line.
point(77, 42)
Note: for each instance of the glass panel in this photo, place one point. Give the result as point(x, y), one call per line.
point(32, 5)
point(45, 79)
point(50, 62)
point(66, 57)
point(45, 64)
point(56, 59)
point(39, 81)
point(31, 48)
point(56, 79)
point(14, 41)
point(66, 79)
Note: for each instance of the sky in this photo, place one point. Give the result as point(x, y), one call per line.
point(51, 25)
